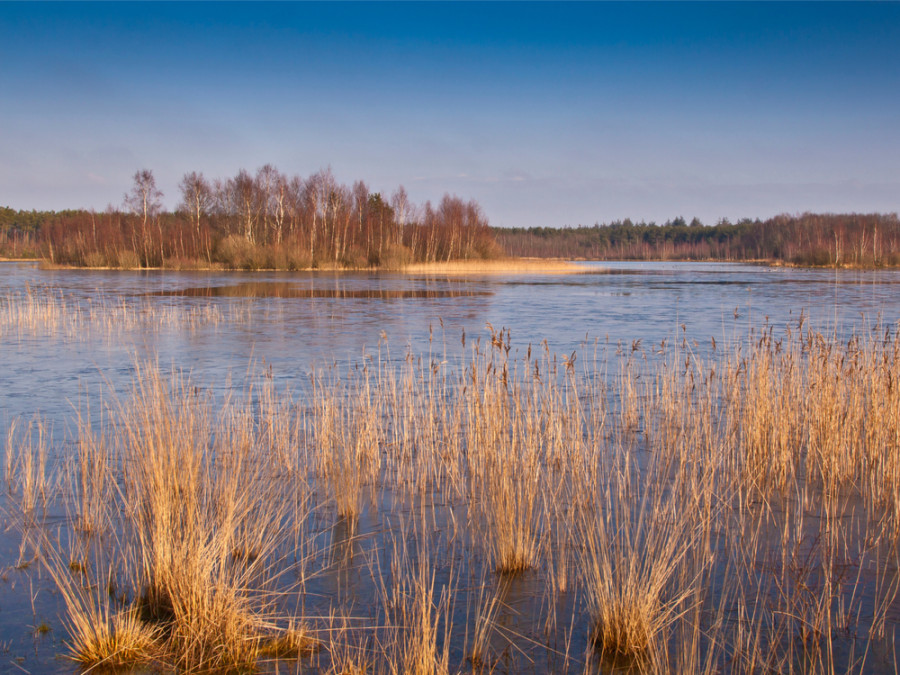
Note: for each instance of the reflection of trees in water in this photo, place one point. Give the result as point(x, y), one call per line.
point(282, 289)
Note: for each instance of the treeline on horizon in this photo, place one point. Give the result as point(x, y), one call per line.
point(266, 220)
point(864, 240)
point(269, 220)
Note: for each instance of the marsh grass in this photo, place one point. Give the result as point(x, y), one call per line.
point(28, 479)
point(503, 266)
point(209, 516)
point(90, 486)
point(349, 649)
point(488, 603)
point(292, 641)
point(418, 611)
point(48, 311)
point(103, 632)
point(197, 510)
point(636, 539)
point(101, 635)
point(504, 459)
point(348, 435)
point(732, 513)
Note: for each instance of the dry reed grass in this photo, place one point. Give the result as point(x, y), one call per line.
point(102, 636)
point(209, 514)
point(415, 611)
point(505, 266)
point(292, 641)
point(424, 430)
point(49, 311)
point(200, 508)
point(503, 441)
point(484, 623)
point(636, 539)
point(734, 513)
point(348, 435)
point(91, 485)
point(28, 480)
point(102, 632)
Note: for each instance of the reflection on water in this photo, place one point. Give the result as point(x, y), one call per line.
point(350, 314)
point(641, 306)
point(282, 289)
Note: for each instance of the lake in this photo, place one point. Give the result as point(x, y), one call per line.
point(70, 342)
point(297, 322)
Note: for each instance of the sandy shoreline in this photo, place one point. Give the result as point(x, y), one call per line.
point(504, 266)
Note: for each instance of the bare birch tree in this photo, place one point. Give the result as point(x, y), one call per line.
point(145, 201)
point(196, 199)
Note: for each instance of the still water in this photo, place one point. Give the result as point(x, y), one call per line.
point(221, 326)
point(299, 322)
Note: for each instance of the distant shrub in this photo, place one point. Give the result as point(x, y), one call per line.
point(816, 257)
point(126, 259)
point(271, 258)
point(354, 259)
point(182, 263)
point(234, 252)
point(297, 258)
point(95, 259)
point(487, 248)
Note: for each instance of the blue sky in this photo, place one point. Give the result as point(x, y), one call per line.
point(546, 114)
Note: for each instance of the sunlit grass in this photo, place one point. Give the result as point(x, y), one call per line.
point(49, 311)
point(502, 266)
point(732, 513)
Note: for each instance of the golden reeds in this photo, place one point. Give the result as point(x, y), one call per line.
point(28, 480)
point(504, 266)
point(49, 311)
point(348, 436)
point(418, 610)
point(636, 537)
point(201, 510)
point(737, 512)
point(487, 607)
point(505, 453)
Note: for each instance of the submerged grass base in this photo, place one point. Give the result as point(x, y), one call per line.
point(737, 514)
point(124, 640)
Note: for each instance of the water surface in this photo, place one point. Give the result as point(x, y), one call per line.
point(221, 327)
point(296, 322)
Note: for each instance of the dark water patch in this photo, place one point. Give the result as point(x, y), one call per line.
point(665, 280)
point(276, 289)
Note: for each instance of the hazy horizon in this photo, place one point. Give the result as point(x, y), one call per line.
point(546, 114)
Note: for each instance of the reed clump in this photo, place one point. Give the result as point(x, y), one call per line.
point(119, 641)
point(209, 514)
point(48, 311)
point(672, 512)
point(505, 455)
point(102, 631)
point(642, 550)
point(416, 611)
point(198, 514)
point(501, 266)
point(26, 471)
point(348, 433)
point(290, 642)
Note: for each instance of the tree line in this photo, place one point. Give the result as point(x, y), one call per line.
point(265, 220)
point(269, 220)
point(864, 240)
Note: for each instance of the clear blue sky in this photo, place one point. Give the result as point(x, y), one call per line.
point(547, 114)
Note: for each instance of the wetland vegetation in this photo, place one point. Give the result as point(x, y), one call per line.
point(392, 486)
point(809, 239)
point(273, 221)
point(485, 508)
point(267, 220)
